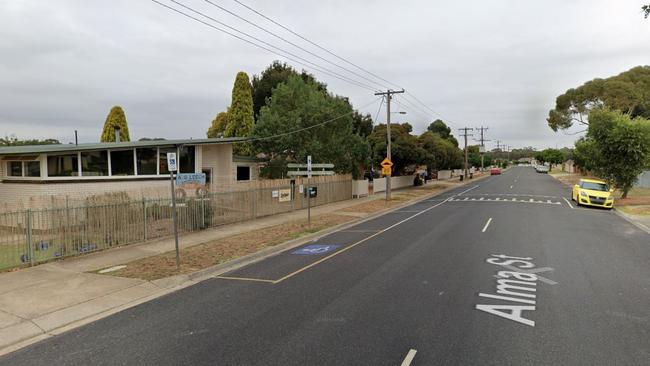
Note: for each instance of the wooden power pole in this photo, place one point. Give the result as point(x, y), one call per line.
point(388, 94)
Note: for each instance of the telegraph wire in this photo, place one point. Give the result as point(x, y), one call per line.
point(289, 42)
point(315, 44)
point(350, 81)
point(308, 127)
point(331, 53)
point(265, 43)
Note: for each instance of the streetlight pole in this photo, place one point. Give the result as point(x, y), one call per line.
point(389, 95)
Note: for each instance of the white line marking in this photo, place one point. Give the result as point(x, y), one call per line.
point(358, 242)
point(568, 203)
point(467, 190)
point(486, 225)
point(409, 357)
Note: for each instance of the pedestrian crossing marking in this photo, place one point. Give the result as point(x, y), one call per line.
point(498, 199)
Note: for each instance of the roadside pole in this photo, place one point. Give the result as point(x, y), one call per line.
point(308, 172)
point(389, 96)
point(172, 167)
point(309, 190)
point(465, 134)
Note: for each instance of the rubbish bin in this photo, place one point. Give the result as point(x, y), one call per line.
point(461, 177)
point(471, 175)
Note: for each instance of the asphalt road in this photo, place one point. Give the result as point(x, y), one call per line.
point(417, 280)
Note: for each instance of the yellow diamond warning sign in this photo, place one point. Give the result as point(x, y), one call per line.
point(387, 163)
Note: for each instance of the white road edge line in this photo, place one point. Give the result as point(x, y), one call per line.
point(486, 225)
point(568, 203)
point(409, 357)
point(465, 191)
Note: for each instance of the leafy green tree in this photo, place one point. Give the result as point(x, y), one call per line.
point(438, 126)
point(439, 153)
point(328, 136)
point(240, 114)
point(626, 92)
point(271, 77)
point(553, 156)
point(406, 151)
point(14, 141)
point(620, 146)
point(115, 119)
point(586, 155)
point(218, 125)
point(362, 124)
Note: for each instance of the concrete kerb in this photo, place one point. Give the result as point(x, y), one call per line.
point(174, 283)
point(631, 220)
point(235, 264)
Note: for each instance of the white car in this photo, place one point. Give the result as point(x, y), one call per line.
point(542, 169)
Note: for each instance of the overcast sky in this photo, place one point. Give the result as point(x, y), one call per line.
point(497, 63)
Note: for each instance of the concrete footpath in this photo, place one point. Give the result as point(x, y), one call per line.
point(46, 300)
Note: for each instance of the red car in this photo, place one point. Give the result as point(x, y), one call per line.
point(495, 171)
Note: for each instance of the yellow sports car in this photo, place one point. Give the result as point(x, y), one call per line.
point(593, 192)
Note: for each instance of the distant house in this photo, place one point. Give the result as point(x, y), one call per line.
point(569, 166)
point(138, 167)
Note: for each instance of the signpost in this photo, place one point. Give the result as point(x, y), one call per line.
point(387, 171)
point(311, 191)
point(172, 166)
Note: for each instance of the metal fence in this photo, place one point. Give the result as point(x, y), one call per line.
point(38, 235)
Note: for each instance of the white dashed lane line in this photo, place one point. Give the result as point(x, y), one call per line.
point(409, 357)
point(486, 225)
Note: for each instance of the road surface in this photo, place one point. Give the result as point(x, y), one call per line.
point(503, 271)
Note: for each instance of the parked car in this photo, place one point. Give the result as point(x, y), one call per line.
point(495, 171)
point(542, 169)
point(593, 192)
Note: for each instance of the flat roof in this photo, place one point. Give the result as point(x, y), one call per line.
point(58, 148)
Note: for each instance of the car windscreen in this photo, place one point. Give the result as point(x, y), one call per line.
point(595, 186)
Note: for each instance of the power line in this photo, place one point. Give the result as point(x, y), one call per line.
point(350, 81)
point(306, 128)
point(289, 42)
point(268, 44)
point(379, 109)
point(333, 54)
point(315, 44)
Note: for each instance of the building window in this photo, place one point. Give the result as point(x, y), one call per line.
point(94, 163)
point(208, 176)
point(186, 159)
point(122, 162)
point(147, 159)
point(163, 158)
point(32, 168)
point(15, 168)
point(243, 173)
point(62, 165)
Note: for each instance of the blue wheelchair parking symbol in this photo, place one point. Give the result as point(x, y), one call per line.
point(315, 249)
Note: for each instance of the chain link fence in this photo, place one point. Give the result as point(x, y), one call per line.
point(34, 236)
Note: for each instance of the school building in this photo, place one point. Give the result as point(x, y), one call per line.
point(30, 175)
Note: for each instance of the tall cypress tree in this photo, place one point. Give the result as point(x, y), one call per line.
point(240, 115)
point(115, 119)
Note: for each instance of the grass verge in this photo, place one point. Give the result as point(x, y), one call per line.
point(218, 251)
point(222, 250)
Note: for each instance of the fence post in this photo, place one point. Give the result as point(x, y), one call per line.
point(30, 246)
point(202, 212)
point(144, 219)
point(254, 203)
